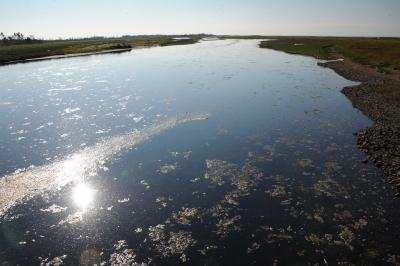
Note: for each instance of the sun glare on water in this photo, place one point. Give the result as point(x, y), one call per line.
point(83, 195)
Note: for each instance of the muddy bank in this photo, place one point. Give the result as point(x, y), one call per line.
point(109, 51)
point(374, 98)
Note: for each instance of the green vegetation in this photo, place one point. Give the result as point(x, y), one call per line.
point(23, 51)
point(380, 53)
point(310, 47)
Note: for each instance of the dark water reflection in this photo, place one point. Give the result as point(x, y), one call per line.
point(272, 177)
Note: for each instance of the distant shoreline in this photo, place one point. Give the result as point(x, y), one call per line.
point(46, 50)
point(110, 51)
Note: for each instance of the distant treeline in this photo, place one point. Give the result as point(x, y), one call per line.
point(17, 38)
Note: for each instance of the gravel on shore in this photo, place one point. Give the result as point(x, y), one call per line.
point(381, 142)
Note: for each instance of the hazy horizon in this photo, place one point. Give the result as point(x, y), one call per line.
point(74, 19)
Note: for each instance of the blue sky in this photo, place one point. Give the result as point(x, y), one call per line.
point(78, 18)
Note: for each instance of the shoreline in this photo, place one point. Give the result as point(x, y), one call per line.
point(372, 63)
point(109, 51)
point(381, 141)
point(47, 50)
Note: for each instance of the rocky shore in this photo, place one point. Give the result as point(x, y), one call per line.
point(375, 98)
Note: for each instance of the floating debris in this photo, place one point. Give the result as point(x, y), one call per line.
point(393, 259)
point(156, 233)
point(174, 243)
point(247, 178)
point(258, 158)
point(207, 248)
point(179, 242)
point(183, 257)
point(71, 110)
point(145, 183)
point(138, 119)
point(123, 200)
point(243, 179)
point(185, 154)
point(195, 180)
point(232, 197)
point(163, 201)
point(174, 153)
point(274, 237)
point(342, 215)
point(282, 140)
point(254, 247)
point(329, 188)
point(227, 225)
point(318, 215)
point(72, 218)
point(90, 257)
point(123, 255)
point(186, 215)
point(314, 239)
point(360, 224)
point(277, 191)
point(219, 210)
point(54, 209)
point(217, 170)
point(167, 168)
point(305, 162)
point(333, 166)
point(347, 236)
point(56, 261)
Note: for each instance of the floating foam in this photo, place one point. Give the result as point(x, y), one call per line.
point(83, 164)
point(78, 88)
point(72, 110)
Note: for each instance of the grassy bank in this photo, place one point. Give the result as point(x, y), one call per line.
point(382, 54)
point(16, 52)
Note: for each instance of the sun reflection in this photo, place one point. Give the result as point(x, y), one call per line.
point(72, 169)
point(83, 195)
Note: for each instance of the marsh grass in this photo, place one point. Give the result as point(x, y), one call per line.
point(380, 53)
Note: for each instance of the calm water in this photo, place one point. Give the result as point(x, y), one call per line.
point(218, 153)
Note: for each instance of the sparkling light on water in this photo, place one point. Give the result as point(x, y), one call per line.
point(83, 195)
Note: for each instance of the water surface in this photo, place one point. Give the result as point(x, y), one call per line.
point(218, 153)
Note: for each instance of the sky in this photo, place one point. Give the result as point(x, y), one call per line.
point(84, 18)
